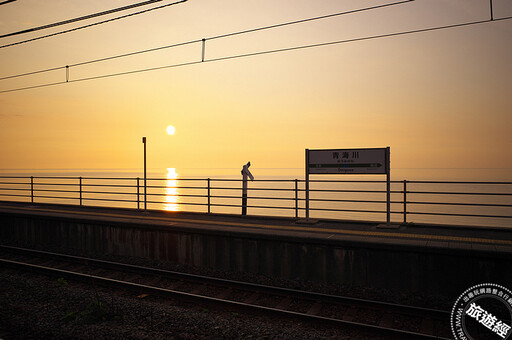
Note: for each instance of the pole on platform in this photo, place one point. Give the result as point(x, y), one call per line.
point(209, 208)
point(245, 173)
point(31, 189)
point(138, 194)
point(405, 201)
point(307, 184)
point(296, 198)
point(145, 177)
point(388, 187)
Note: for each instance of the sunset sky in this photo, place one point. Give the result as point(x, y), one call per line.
point(439, 99)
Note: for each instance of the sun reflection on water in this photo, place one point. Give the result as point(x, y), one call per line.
point(171, 190)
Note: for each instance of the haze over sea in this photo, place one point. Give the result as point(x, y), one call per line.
point(397, 174)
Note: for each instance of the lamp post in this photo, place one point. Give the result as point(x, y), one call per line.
point(145, 178)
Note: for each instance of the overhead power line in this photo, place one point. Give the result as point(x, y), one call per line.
point(430, 29)
point(6, 2)
point(89, 16)
point(93, 24)
point(211, 38)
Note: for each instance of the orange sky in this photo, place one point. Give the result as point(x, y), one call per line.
point(438, 99)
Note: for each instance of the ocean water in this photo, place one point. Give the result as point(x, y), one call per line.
point(432, 194)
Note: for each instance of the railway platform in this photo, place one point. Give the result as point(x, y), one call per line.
point(434, 259)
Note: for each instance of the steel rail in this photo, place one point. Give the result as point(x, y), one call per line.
point(202, 278)
point(225, 283)
point(196, 297)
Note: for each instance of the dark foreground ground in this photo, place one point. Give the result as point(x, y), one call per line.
point(38, 307)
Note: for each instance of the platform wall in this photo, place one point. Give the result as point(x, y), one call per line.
point(399, 268)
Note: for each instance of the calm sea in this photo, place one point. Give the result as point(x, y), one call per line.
point(346, 197)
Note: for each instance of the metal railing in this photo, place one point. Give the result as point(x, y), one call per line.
point(487, 203)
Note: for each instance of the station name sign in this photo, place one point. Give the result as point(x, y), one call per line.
point(348, 161)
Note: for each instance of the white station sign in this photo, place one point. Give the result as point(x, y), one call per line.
point(347, 161)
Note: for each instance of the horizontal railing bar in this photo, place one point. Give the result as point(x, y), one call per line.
point(347, 201)
point(51, 190)
point(463, 204)
point(16, 189)
point(108, 199)
point(27, 196)
point(57, 197)
point(168, 203)
point(276, 189)
point(258, 198)
point(459, 215)
point(270, 207)
point(460, 193)
point(52, 177)
point(456, 182)
point(106, 185)
point(107, 192)
point(350, 210)
point(54, 184)
point(255, 180)
point(15, 183)
point(109, 178)
point(359, 191)
point(184, 195)
point(345, 181)
point(172, 187)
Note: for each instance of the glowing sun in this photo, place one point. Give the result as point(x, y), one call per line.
point(170, 130)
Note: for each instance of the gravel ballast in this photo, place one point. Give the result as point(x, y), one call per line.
point(39, 307)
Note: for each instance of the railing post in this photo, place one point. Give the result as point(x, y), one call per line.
point(405, 201)
point(138, 194)
point(32, 189)
point(296, 198)
point(208, 195)
point(80, 178)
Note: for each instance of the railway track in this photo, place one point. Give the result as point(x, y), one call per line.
point(385, 319)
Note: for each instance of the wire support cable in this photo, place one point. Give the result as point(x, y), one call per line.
point(89, 25)
point(259, 53)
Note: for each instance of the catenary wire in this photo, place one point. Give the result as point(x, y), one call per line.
point(89, 16)
point(290, 49)
point(211, 38)
point(91, 25)
point(6, 2)
point(430, 29)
